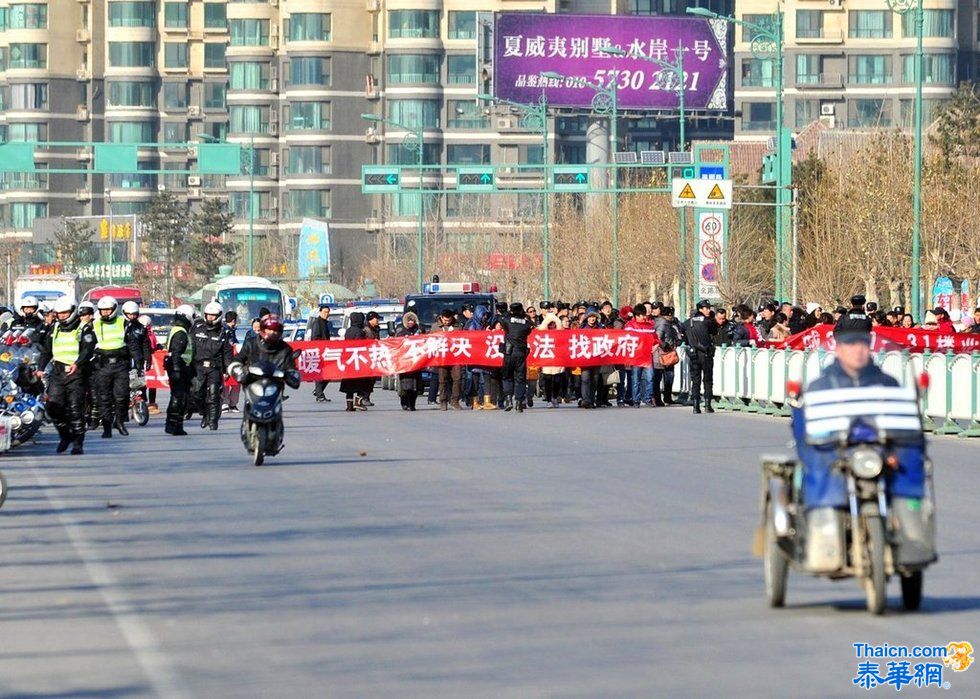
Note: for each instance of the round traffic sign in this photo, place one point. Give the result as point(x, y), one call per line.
point(709, 272)
point(711, 225)
point(710, 250)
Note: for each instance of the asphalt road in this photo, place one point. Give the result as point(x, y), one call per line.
point(557, 553)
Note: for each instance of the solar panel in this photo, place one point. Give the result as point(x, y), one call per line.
point(625, 158)
point(680, 158)
point(652, 157)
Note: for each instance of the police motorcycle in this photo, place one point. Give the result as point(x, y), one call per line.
point(21, 392)
point(867, 433)
point(139, 411)
point(262, 428)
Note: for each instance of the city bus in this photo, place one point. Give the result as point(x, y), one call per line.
point(246, 296)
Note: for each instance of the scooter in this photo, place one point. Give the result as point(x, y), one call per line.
point(262, 428)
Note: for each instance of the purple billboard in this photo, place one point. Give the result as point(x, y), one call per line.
point(527, 45)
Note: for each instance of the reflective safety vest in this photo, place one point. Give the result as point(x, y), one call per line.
point(64, 345)
point(111, 336)
point(188, 354)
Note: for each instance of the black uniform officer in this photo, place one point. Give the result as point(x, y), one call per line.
point(114, 355)
point(854, 317)
point(70, 347)
point(179, 364)
point(699, 332)
point(212, 355)
point(517, 328)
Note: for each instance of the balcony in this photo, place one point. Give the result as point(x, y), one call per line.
point(820, 81)
point(823, 35)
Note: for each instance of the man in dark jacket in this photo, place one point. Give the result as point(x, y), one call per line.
point(699, 333)
point(409, 384)
point(179, 364)
point(726, 328)
point(517, 328)
point(353, 389)
point(212, 355)
point(320, 330)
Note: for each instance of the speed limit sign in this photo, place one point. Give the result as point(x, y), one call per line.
point(711, 225)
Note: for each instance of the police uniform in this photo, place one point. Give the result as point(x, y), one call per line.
point(699, 333)
point(211, 355)
point(517, 328)
point(179, 363)
point(70, 343)
point(114, 358)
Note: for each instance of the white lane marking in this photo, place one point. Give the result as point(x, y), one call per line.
point(141, 641)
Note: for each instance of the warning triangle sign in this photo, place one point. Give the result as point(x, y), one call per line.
point(687, 192)
point(716, 194)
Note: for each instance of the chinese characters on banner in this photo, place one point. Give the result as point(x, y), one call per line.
point(883, 338)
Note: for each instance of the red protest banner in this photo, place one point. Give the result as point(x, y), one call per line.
point(886, 338)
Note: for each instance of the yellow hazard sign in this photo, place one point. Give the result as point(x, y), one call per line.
point(716, 194)
point(687, 193)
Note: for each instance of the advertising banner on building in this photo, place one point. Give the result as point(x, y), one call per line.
point(529, 44)
point(314, 248)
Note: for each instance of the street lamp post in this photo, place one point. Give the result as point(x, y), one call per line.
point(907, 7)
point(767, 44)
point(414, 141)
point(248, 161)
point(606, 103)
point(536, 119)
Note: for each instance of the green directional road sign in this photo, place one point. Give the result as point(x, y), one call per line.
point(474, 179)
point(379, 179)
point(573, 178)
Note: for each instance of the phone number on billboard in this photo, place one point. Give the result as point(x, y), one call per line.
point(622, 79)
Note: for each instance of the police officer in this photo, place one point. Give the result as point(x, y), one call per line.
point(115, 352)
point(699, 332)
point(855, 316)
point(212, 355)
point(179, 364)
point(70, 346)
point(86, 316)
point(29, 318)
point(517, 328)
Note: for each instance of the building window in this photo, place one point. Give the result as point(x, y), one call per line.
point(571, 125)
point(131, 54)
point(807, 69)
point(308, 26)
point(248, 118)
point(249, 75)
point(938, 69)
point(175, 54)
point(462, 69)
point(413, 68)
point(929, 111)
point(27, 96)
point(469, 207)
point(308, 202)
point(415, 113)
point(174, 132)
point(25, 180)
point(759, 116)
point(308, 160)
point(28, 16)
point(175, 15)
point(400, 154)
point(870, 113)
point(309, 70)
point(869, 70)
point(130, 131)
point(239, 205)
point(751, 32)
point(214, 95)
point(757, 72)
point(215, 15)
point(935, 24)
point(413, 24)
point(869, 24)
point(306, 116)
point(466, 114)
point(175, 95)
point(249, 32)
point(28, 56)
point(468, 154)
point(462, 25)
point(132, 14)
point(130, 94)
point(23, 213)
point(214, 55)
point(806, 112)
point(809, 24)
point(27, 132)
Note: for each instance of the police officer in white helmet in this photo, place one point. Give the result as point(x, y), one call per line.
point(212, 355)
point(114, 356)
point(179, 364)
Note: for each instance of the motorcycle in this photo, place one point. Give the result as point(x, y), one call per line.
point(262, 428)
point(139, 411)
point(21, 392)
point(878, 534)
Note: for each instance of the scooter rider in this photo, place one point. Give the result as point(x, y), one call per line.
point(70, 346)
point(179, 365)
point(212, 355)
point(267, 347)
point(117, 346)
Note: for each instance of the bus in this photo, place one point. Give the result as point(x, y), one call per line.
point(246, 296)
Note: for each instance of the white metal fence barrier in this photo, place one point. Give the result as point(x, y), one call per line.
point(753, 380)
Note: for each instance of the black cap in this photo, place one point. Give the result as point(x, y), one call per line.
point(704, 303)
point(858, 300)
point(372, 315)
point(853, 326)
point(871, 307)
point(468, 307)
point(899, 309)
point(517, 309)
point(657, 304)
point(840, 310)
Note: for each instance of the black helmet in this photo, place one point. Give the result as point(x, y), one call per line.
point(517, 309)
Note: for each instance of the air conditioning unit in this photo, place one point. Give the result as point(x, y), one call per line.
point(373, 224)
point(194, 111)
point(370, 87)
point(504, 123)
point(827, 110)
point(83, 194)
point(81, 113)
point(273, 203)
point(83, 154)
point(371, 136)
point(373, 5)
point(274, 84)
point(273, 158)
point(193, 192)
point(192, 152)
point(83, 74)
point(835, 3)
point(274, 171)
point(273, 128)
point(194, 180)
point(829, 121)
point(82, 35)
point(373, 48)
